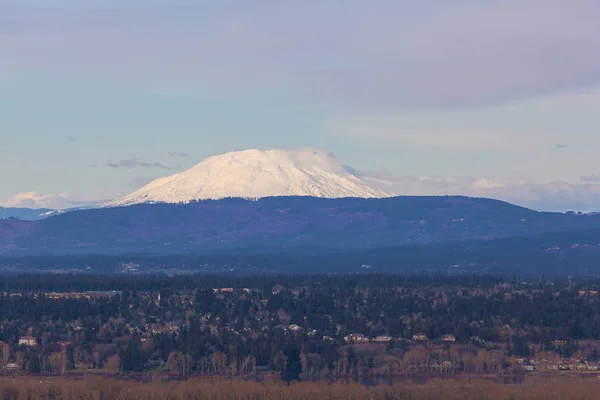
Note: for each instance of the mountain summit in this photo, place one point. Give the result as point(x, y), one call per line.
point(256, 174)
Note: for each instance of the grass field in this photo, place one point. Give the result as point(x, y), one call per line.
point(97, 388)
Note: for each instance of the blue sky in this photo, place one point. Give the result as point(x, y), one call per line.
point(98, 97)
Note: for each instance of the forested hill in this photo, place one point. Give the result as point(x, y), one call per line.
point(281, 223)
point(26, 214)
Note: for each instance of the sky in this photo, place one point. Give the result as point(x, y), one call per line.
point(99, 97)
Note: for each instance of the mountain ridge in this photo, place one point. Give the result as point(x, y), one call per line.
point(27, 214)
point(281, 222)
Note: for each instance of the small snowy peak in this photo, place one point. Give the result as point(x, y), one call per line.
point(257, 174)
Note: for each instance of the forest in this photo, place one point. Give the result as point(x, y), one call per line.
point(554, 254)
point(406, 234)
point(309, 328)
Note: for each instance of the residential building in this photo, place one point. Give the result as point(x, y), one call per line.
point(528, 367)
point(447, 338)
point(382, 339)
point(223, 290)
point(11, 367)
point(356, 338)
point(28, 341)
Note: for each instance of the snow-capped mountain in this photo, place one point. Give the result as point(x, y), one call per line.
point(256, 174)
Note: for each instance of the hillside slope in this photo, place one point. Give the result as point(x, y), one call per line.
point(280, 222)
point(27, 214)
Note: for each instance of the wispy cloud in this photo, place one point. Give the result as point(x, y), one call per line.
point(46, 200)
point(591, 178)
point(383, 54)
point(71, 139)
point(132, 163)
point(178, 154)
point(552, 196)
point(562, 146)
point(36, 200)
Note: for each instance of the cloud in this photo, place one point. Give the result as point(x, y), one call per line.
point(132, 163)
point(562, 146)
point(591, 178)
point(177, 154)
point(71, 139)
point(553, 196)
point(386, 54)
point(36, 200)
point(55, 201)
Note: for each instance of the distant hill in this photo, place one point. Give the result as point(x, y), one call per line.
point(27, 214)
point(573, 253)
point(281, 223)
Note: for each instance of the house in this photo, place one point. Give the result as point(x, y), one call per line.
point(528, 367)
point(294, 327)
point(11, 367)
point(382, 339)
point(27, 341)
point(155, 363)
point(356, 338)
point(446, 365)
point(447, 338)
point(277, 289)
point(581, 367)
point(419, 337)
point(76, 326)
point(223, 290)
point(327, 338)
point(563, 367)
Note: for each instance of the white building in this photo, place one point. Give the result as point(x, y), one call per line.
point(27, 341)
point(382, 339)
point(419, 337)
point(356, 338)
point(11, 367)
point(448, 338)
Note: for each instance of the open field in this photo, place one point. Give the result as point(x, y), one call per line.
point(204, 389)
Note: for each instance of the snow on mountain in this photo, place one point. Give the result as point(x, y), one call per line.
point(256, 174)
